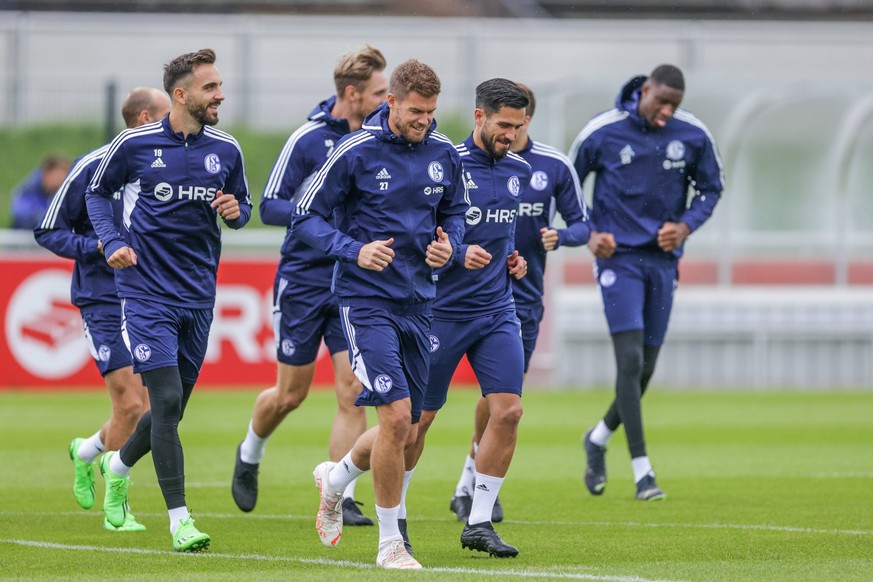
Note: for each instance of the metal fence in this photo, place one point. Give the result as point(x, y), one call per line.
point(788, 102)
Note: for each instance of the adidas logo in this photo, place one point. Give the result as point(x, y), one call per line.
point(471, 185)
point(159, 163)
point(383, 174)
point(482, 487)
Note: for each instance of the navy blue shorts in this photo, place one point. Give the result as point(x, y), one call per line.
point(103, 334)
point(302, 315)
point(389, 354)
point(159, 336)
point(493, 346)
point(530, 317)
point(637, 289)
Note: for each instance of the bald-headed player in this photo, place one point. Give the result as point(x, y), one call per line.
point(67, 231)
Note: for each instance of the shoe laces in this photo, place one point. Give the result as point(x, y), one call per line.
point(396, 554)
point(119, 485)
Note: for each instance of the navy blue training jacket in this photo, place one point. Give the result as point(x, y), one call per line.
point(643, 174)
point(554, 186)
point(66, 230)
point(495, 188)
point(168, 182)
point(303, 154)
point(382, 186)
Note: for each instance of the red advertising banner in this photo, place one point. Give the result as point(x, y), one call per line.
point(43, 345)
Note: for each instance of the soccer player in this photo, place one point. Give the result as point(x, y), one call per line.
point(474, 311)
point(66, 231)
point(397, 189)
point(179, 176)
point(553, 186)
point(646, 154)
point(305, 309)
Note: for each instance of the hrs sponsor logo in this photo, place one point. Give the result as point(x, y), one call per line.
point(531, 209)
point(475, 215)
point(165, 192)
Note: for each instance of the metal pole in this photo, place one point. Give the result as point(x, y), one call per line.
point(110, 109)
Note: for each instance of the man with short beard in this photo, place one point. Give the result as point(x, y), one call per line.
point(397, 189)
point(474, 311)
point(178, 177)
point(67, 231)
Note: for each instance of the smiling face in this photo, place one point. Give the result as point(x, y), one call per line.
point(496, 132)
point(202, 94)
point(658, 103)
point(411, 116)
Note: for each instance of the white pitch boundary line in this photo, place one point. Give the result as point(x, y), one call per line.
point(740, 526)
point(325, 562)
point(849, 475)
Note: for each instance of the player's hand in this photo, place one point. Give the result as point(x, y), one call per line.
point(100, 247)
point(517, 265)
point(549, 238)
point(672, 235)
point(122, 258)
point(226, 205)
point(602, 244)
point(476, 257)
point(376, 255)
point(439, 251)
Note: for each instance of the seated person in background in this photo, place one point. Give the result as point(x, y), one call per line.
point(31, 197)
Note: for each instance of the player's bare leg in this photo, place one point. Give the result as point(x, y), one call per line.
point(349, 423)
point(271, 407)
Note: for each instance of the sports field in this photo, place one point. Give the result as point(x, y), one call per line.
point(767, 486)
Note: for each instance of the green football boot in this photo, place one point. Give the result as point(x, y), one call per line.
point(188, 538)
point(83, 477)
point(115, 500)
point(130, 524)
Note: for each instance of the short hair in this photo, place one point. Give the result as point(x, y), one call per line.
point(137, 101)
point(493, 94)
point(413, 76)
point(531, 99)
point(52, 161)
point(669, 75)
point(179, 69)
point(356, 67)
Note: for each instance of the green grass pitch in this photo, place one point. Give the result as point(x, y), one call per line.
point(761, 486)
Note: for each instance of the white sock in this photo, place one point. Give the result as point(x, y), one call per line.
point(484, 495)
point(252, 449)
point(90, 448)
point(117, 467)
point(407, 476)
point(600, 435)
point(343, 473)
point(642, 467)
point(468, 477)
point(177, 514)
point(349, 491)
point(388, 529)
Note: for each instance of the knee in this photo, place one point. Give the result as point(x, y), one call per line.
point(131, 409)
point(507, 415)
point(630, 362)
point(395, 424)
point(426, 420)
point(348, 387)
point(286, 401)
